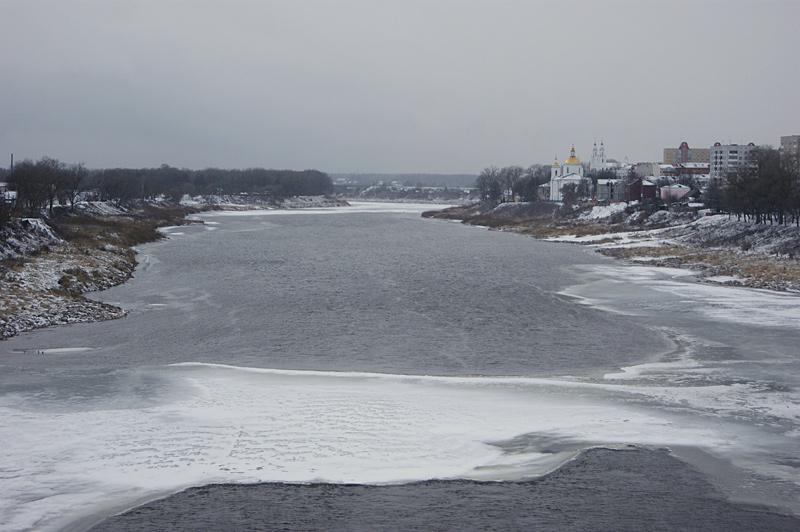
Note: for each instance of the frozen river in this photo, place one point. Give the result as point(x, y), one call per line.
point(383, 366)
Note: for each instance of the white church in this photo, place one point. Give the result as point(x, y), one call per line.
point(570, 172)
point(601, 162)
point(598, 157)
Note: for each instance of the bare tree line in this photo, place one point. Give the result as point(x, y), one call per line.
point(48, 182)
point(40, 184)
point(497, 184)
point(765, 190)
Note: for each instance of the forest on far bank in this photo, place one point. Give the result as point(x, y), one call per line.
point(47, 182)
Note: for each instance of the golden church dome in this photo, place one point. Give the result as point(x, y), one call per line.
point(572, 158)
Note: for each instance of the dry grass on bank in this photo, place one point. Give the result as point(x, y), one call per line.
point(543, 229)
point(132, 230)
point(749, 270)
point(46, 287)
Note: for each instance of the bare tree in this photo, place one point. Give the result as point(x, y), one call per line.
point(570, 194)
point(50, 173)
point(510, 177)
point(488, 184)
point(73, 178)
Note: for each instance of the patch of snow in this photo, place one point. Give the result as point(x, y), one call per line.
point(26, 236)
point(189, 201)
point(100, 208)
point(722, 279)
point(600, 212)
point(727, 232)
point(729, 303)
point(653, 259)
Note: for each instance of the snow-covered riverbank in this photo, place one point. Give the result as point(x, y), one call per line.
point(43, 282)
point(48, 289)
point(46, 266)
point(42, 277)
point(236, 202)
point(719, 248)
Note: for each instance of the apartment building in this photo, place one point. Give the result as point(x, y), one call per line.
point(685, 154)
point(790, 144)
point(729, 158)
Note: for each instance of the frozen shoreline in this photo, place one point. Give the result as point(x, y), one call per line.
point(45, 277)
point(49, 288)
point(718, 248)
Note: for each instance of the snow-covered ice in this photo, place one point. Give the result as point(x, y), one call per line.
point(215, 423)
point(730, 303)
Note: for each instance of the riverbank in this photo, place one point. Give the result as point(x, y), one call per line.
point(246, 202)
point(48, 266)
point(717, 248)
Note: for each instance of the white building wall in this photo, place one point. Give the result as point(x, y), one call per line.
point(728, 158)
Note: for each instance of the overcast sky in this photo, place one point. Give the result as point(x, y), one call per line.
point(391, 86)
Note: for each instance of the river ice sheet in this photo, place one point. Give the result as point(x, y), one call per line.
point(212, 423)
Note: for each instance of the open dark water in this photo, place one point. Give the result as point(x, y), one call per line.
point(321, 369)
point(600, 490)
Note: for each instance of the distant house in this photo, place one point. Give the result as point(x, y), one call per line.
point(624, 171)
point(702, 180)
point(6, 194)
point(93, 194)
point(650, 169)
point(649, 190)
point(672, 193)
point(640, 189)
point(633, 190)
point(694, 171)
point(543, 191)
point(610, 190)
point(692, 168)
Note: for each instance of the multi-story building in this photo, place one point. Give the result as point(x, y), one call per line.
point(685, 154)
point(790, 145)
point(729, 158)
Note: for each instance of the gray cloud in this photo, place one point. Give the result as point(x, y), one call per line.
point(372, 85)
